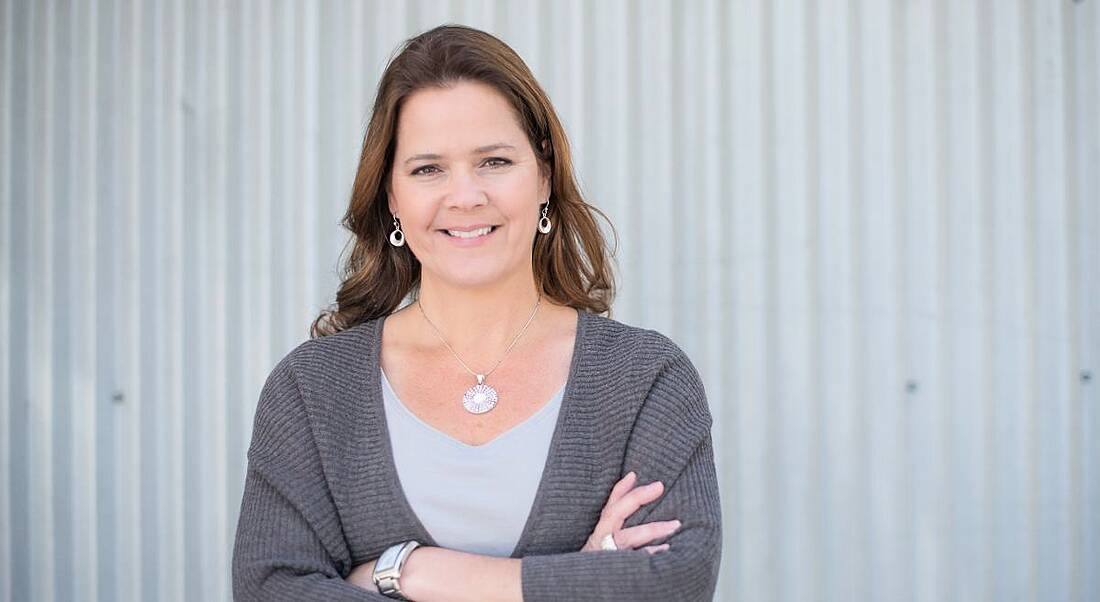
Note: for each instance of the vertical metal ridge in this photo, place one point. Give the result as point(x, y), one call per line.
point(1072, 149)
point(221, 325)
point(151, 386)
point(17, 394)
point(815, 450)
point(1088, 224)
point(681, 198)
point(984, 188)
point(902, 489)
point(941, 347)
point(770, 426)
point(632, 191)
point(62, 160)
point(41, 386)
point(128, 406)
point(856, 204)
point(7, 296)
point(237, 385)
point(87, 577)
point(106, 285)
point(1031, 445)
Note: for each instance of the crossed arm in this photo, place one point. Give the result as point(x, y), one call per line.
point(290, 547)
point(280, 555)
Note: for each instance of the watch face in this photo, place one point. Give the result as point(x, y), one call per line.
point(388, 560)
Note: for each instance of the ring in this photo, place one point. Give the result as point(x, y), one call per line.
point(608, 543)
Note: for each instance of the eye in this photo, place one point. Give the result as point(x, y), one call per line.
point(420, 170)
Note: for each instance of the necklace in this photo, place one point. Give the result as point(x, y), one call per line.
point(480, 398)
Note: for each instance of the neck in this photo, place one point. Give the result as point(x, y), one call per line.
point(479, 323)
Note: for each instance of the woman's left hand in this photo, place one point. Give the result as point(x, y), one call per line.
point(361, 576)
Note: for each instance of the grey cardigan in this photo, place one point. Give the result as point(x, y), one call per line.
point(322, 495)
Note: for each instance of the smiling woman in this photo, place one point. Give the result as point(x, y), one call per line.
point(468, 214)
point(383, 466)
point(462, 135)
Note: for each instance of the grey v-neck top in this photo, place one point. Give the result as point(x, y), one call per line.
point(322, 493)
point(473, 498)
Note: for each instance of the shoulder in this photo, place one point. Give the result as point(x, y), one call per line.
point(305, 382)
point(644, 347)
point(331, 352)
point(656, 395)
point(661, 367)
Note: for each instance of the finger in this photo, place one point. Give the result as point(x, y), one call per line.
point(629, 503)
point(655, 549)
point(640, 535)
point(622, 487)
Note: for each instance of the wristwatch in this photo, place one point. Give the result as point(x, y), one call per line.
point(387, 570)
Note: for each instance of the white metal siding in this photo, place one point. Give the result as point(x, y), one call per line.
point(872, 224)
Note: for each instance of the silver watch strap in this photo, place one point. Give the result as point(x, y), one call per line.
point(387, 570)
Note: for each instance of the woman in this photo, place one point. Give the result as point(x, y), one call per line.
point(489, 440)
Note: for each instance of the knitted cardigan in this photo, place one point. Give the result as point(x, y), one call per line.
point(322, 494)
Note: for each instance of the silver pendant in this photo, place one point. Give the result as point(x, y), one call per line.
point(479, 398)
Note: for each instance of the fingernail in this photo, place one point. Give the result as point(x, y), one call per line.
point(655, 485)
point(676, 524)
point(630, 474)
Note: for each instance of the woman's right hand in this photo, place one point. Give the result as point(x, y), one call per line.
point(624, 500)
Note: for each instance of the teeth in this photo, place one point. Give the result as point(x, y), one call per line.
point(471, 233)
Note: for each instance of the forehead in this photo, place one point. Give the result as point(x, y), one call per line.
point(456, 118)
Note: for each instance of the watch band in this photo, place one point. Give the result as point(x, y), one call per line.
point(387, 570)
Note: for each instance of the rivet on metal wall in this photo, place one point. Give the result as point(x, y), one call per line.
point(1086, 376)
point(118, 397)
point(911, 386)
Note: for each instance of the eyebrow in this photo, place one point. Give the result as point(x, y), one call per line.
point(477, 151)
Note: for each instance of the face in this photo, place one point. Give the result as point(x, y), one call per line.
point(462, 161)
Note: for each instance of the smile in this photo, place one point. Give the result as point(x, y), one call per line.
point(470, 239)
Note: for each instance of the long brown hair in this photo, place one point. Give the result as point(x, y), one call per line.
point(571, 264)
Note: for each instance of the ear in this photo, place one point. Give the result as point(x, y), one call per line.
point(544, 189)
point(544, 181)
point(388, 189)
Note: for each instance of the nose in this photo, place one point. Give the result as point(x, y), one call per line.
point(465, 191)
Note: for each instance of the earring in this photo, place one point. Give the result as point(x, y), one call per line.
point(397, 237)
point(544, 222)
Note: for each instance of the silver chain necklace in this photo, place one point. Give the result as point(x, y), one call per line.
point(481, 397)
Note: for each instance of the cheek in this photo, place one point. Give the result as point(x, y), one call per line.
point(520, 197)
point(413, 208)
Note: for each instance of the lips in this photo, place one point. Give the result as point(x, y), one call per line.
point(469, 228)
point(466, 241)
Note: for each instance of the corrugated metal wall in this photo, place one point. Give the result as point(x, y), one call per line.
point(872, 224)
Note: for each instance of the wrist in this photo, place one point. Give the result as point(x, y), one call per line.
point(362, 576)
point(415, 575)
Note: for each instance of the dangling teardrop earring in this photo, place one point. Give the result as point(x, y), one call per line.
point(397, 237)
point(544, 222)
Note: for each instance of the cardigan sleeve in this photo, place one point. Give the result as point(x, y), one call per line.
point(670, 442)
point(289, 543)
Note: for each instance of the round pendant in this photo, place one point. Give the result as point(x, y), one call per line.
point(479, 398)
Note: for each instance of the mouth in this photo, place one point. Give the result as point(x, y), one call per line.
point(469, 238)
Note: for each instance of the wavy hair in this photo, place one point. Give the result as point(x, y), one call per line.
point(571, 264)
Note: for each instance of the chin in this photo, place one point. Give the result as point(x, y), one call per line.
point(473, 274)
point(470, 272)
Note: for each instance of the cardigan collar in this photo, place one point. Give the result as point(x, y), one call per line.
point(572, 430)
